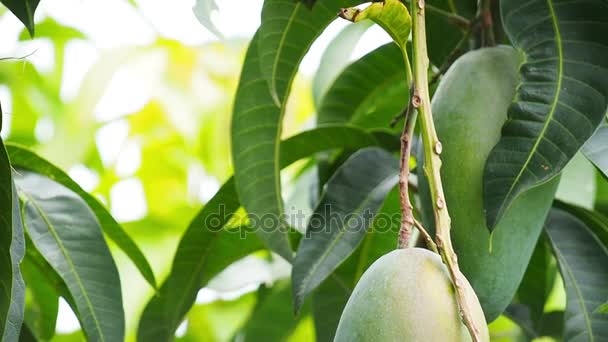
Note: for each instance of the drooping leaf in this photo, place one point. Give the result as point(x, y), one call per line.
point(538, 281)
point(202, 10)
point(67, 234)
point(273, 318)
point(550, 324)
point(336, 58)
point(205, 250)
point(561, 99)
point(24, 10)
point(340, 221)
point(42, 301)
point(12, 249)
point(596, 149)
point(329, 299)
point(23, 158)
point(582, 260)
point(369, 92)
point(287, 31)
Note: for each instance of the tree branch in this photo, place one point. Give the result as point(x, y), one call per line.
point(432, 164)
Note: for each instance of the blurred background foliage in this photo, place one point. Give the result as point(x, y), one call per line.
point(133, 99)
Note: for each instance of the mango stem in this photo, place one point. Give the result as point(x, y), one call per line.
point(432, 166)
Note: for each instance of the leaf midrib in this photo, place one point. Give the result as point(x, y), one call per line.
point(326, 253)
point(560, 52)
point(68, 259)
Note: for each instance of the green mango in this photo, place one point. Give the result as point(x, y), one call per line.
point(407, 295)
point(470, 108)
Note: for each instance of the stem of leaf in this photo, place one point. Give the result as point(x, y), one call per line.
point(432, 164)
point(484, 13)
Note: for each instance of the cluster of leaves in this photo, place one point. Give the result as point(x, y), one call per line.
point(54, 230)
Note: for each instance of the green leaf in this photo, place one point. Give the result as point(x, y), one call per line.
point(288, 30)
point(67, 234)
point(538, 281)
point(26, 334)
point(582, 260)
point(23, 158)
point(339, 224)
point(205, 250)
point(12, 249)
point(391, 15)
point(329, 299)
point(578, 183)
point(336, 58)
point(24, 10)
point(561, 99)
point(272, 319)
point(202, 10)
point(256, 131)
point(596, 149)
point(42, 301)
point(369, 92)
point(603, 309)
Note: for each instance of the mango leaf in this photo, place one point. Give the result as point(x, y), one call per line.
point(603, 309)
point(329, 299)
point(351, 200)
point(12, 249)
point(202, 10)
point(69, 237)
point(561, 99)
point(391, 15)
point(24, 10)
point(42, 301)
point(369, 92)
point(336, 58)
point(272, 319)
point(27, 335)
point(582, 260)
point(287, 31)
point(26, 159)
point(206, 248)
point(596, 149)
point(538, 280)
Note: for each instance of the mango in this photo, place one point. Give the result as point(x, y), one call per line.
point(407, 295)
point(470, 108)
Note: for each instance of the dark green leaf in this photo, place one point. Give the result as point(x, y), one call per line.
point(24, 10)
point(26, 334)
point(582, 260)
point(288, 30)
point(330, 298)
point(336, 57)
point(369, 92)
point(206, 249)
point(273, 318)
point(550, 324)
point(26, 159)
point(561, 99)
point(339, 224)
point(67, 234)
point(42, 301)
point(596, 149)
point(538, 281)
point(12, 249)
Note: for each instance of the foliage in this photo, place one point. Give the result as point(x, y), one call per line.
point(65, 240)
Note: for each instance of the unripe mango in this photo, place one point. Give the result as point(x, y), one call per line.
point(407, 295)
point(469, 109)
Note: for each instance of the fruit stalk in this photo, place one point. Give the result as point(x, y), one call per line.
point(432, 166)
